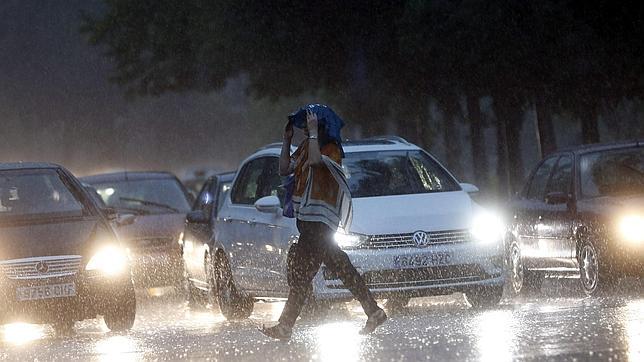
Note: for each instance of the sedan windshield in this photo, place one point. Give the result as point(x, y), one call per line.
point(395, 173)
point(613, 173)
point(147, 196)
point(36, 193)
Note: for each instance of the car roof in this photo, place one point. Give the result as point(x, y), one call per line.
point(598, 147)
point(27, 165)
point(384, 143)
point(127, 175)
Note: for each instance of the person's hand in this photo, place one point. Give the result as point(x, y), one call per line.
point(312, 123)
point(288, 131)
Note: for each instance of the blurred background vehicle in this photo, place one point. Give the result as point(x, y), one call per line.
point(197, 240)
point(415, 232)
point(60, 259)
point(194, 180)
point(581, 214)
point(160, 203)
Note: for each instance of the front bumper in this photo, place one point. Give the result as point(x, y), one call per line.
point(94, 294)
point(470, 266)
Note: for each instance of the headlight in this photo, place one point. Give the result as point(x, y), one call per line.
point(487, 228)
point(111, 260)
point(345, 240)
point(631, 228)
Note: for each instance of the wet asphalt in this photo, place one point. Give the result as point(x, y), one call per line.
point(560, 324)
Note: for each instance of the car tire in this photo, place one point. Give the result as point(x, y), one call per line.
point(521, 280)
point(396, 304)
point(120, 315)
point(232, 304)
point(594, 276)
point(488, 297)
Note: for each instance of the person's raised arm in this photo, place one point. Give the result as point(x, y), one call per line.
point(315, 158)
point(285, 156)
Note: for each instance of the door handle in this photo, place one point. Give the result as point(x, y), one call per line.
point(540, 217)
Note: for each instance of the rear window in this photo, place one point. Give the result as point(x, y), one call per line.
point(387, 173)
point(612, 173)
point(33, 193)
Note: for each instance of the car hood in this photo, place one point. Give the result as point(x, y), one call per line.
point(611, 205)
point(64, 237)
point(153, 226)
point(409, 213)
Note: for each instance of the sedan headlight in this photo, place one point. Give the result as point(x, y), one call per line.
point(348, 240)
point(631, 228)
point(110, 260)
point(487, 228)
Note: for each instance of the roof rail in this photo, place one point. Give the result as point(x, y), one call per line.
point(388, 138)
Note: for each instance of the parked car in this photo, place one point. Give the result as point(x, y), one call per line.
point(198, 237)
point(415, 232)
point(581, 214)
point(60, 259)
point(160, 203)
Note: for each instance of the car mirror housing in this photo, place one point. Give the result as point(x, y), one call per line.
point(197, 217)
point(125, 219)
point(557, 198)
point(268, 204)
point(469, 188)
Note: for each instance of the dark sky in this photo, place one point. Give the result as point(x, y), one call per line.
point(57, 105)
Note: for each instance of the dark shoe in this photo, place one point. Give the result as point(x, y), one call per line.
point(375, 319)
point(278, 332)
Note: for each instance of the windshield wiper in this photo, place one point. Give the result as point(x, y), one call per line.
point(150, 203)
point(133, 209)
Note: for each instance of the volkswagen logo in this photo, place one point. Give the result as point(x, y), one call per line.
point(42, 267)
point(421, 239)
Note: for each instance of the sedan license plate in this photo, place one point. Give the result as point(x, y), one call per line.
point(46, 291)
point(422, 260)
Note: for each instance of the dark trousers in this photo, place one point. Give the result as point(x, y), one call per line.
point(316, 246)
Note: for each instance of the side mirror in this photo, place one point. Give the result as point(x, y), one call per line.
point(469, 188)
point(268, 204)
point(197, 217)
point(125, 219)
point(557, 198)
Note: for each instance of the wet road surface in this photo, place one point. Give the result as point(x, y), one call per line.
point(567, 327)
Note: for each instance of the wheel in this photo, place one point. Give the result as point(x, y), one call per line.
point(396, 304)
point(593, 274)
point(233, 305)
point(64, 327)
point(521, 280)
point(121, 313)
point(484, 297)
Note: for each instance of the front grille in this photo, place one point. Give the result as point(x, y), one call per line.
point(41, 267)
point(407, 240)
point(400, 278)
point(150, 243)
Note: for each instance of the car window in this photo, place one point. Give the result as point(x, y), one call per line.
point(205, 197)
point(386, 173)
point(537, 187)
point(30, 193)
point(245, 189)
point(223, 190)
point(561, 179)
point(145, 196)
point(612, 173)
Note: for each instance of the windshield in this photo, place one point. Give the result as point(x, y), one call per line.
point(395, 173)
point(36, 193)
point(151, 196)
point(613, 173)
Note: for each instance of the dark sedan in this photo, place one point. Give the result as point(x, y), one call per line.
point(198, 236)
point(580, 215)
point(60, 259)
point(160, 203)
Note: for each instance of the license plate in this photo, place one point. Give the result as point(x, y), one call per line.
point(422, 260)
point(46, 291)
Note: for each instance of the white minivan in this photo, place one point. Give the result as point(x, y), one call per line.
point(415, 232)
